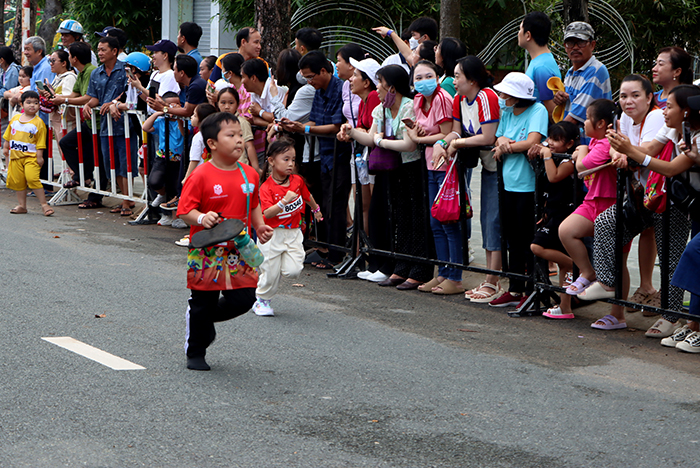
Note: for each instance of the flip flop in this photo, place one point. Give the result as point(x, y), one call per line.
point(580, 284)
point(89, 204)
point(222, 232)
point(596, 292)
point(556, 313)
point(447, 288)
point(116, 209)
point(18, 210)
point(126, 212)
point(609, 323)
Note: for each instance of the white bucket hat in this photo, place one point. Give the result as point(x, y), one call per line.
point(517, 85)
point(369, 67)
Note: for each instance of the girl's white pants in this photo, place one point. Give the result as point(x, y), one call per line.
point(284, 256)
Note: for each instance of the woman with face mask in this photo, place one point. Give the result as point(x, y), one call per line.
point(409, 213)
point(433, 108)
point(523, 124)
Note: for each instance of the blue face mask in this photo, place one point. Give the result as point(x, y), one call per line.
point(426, 87)
point(502, 104)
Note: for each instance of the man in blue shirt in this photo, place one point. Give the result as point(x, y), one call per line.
point(188, 39)
point(107, 86)
point(533, 36)
point(325, 119)
point(587, 79)
point(35, 51)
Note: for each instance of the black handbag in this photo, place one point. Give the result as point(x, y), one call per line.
point(633, 209)
point(684, 196)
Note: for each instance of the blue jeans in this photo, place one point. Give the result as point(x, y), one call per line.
point(447, 237)
point(685, 276)
point(490, 211)
point(120, 155)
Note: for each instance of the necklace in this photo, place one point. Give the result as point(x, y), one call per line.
point(281, 182)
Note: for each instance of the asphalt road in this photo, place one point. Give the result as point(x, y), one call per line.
point(346, 375)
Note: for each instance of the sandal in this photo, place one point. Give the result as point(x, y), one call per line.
point(126, 212)
point(89, 204)
point(596, 292)
point(48, 211)
point(116, 209)
point(18, 210)
point(481, 296)
point(324, 265)
point(578, 286)
point(447, 288)
point(71, 184)
point(639, 297)
point(609, 322)
point(428, 287)
point(470, 293)
point(654, 300)
point(662, 328)
point(556, 313)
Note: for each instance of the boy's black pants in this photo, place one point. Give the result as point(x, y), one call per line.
point(206, 308)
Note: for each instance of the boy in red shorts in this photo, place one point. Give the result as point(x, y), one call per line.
point(217, 190)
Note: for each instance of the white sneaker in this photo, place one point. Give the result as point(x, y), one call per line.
point(178, 224)
point(364, 274)
point(262, 308)
point(471, 253)
point(165, 220)
point(184, 242)
point(159, 199)
point(678, 337)
point(691, 344)
point(377, 277)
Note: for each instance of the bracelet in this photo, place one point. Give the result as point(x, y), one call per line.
point(280, 205)
point(388, 33)
point(66, 101)
point(442, 143)
point(546, 159)
point(458, 135)
point(200, 218)
point(260, 114)
point(307, 129)
point(317, 209)
point(647, 160)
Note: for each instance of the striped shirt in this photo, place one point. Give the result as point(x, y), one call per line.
point(584, 86)
point(25, 138)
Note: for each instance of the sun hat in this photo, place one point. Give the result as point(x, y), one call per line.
point(517, 85)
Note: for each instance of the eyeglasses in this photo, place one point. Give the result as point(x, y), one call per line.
point(309, 79)
point(52, 60)
point(580, 43)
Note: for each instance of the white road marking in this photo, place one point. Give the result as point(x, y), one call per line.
point(90, 352)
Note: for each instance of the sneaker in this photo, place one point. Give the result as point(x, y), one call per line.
point(522, 301)
point(262, 308)
point(171, 205)
point(165, 220)
point(471, 253)
point(377, 277)
point(507, 300)
point(691, 344)
point(158, 200)
point(184, 242)
point(364, 274)
point(678, 337)
point(178, 224)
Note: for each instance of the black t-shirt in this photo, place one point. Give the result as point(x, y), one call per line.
point(196, 93)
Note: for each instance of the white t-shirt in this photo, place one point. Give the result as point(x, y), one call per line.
point(197, 148)
point(649, 128)
point(163, 82)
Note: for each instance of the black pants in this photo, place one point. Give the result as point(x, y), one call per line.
point(334, 204)
point(206, 308)
point(518, 222)
point(381, 221)
point(311, 172)
point(69, 146)
point(164, 174)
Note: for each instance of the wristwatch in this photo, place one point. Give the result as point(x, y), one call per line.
point(165, 110)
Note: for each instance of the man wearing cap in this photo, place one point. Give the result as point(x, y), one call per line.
point(163, 78)
point(117, 33)
point(71, 31)
point(587, 79)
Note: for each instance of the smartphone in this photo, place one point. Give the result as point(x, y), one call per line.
point(210, 87)
point(152, 91)
point(439, 164)
point(130, 74)
point(686, 135)
point(40, 85)
point(408, 123)
point(278, 120)
point(614, 122)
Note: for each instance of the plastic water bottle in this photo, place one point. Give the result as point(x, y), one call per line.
point(250, 252)
point(362, 169)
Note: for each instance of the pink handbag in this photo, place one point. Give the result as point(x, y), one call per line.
point(446, 205)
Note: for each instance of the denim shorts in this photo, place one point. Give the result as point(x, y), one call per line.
point(489, 216)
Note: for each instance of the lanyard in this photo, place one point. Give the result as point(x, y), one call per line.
point(247, 195)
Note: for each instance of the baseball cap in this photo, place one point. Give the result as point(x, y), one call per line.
point(517, 85)
point(579, 30)
point(104, 32)
point(164, 45)
point(368, 66)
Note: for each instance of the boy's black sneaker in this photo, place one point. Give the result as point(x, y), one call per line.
point(197, 363)
point(222, 232)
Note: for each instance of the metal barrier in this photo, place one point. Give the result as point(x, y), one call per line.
point(543, 289)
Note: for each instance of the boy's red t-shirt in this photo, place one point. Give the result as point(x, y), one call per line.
point(271, 192)
point(212, 189)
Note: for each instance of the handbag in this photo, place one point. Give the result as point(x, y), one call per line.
point(633, 204)
point(446, 204)
point(655, 194)
point(382, 159)
point(684, 196)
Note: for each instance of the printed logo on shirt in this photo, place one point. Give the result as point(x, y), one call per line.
point(22, 147)
point(291, 208)
point(248, 188)
point(218, 189)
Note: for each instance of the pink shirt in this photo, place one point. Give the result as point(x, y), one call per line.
point(603, 183)
point(440, 111)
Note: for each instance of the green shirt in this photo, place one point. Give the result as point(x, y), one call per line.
point(448, 85)
point(81, 87)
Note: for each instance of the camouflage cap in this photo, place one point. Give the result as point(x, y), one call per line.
point(579, 30)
